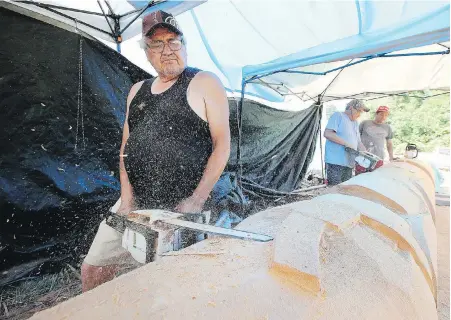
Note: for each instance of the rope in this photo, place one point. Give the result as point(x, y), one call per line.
point(80, 114)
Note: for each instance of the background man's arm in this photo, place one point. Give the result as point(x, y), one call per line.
point(390, 143)
point(390, 148)
point(127, 202)
point(217, 110)
point(360, 145)
point(331, 135)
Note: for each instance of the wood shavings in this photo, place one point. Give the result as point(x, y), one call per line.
point(6, 309)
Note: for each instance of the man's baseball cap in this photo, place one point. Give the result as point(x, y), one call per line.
point(358, 105)
point(383, 109)
point(159, 19)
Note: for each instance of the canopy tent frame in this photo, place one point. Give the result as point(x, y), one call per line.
point(380, 95)
point(110, 17)
point(349, 64)
point(258, 79)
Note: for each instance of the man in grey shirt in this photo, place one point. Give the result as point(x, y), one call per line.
point(375, 134)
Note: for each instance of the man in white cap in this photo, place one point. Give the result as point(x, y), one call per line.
point(175, 145)
point(342, 131)
point(376, 134)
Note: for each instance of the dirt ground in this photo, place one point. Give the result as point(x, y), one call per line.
point(21, 301)
point(442, 224)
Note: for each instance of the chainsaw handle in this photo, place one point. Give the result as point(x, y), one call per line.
point(352, 151)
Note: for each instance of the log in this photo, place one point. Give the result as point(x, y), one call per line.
point(365, 250)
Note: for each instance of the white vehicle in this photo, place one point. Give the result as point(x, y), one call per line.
point(442, 158)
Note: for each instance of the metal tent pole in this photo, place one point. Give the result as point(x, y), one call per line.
point(239, 117)
point(320, 105)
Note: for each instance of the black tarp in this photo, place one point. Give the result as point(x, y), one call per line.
point(52, 195)
point(277, 146)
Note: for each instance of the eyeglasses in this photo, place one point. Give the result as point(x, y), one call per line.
point(158, 46)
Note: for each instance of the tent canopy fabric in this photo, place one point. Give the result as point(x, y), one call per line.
point(240, 39)
point(366, 80)
point(429, 28)
point(104, 19)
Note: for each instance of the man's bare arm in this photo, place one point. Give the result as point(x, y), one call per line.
point(361, 146)
point(127, 203)
point(390, 149)
point(217, 111)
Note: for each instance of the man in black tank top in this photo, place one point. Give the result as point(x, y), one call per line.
point(175, 145)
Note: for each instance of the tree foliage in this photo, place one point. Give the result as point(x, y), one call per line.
point(424, 122)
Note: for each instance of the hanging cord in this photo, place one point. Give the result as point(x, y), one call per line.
point(80, 113)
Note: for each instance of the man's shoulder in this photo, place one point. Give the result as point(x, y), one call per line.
point(134, 90)
point(334, 119)
point(206, 80)
point(199, 74)
point(365, 124)
point(336, 114)
point(388, 127)
point(206, 76)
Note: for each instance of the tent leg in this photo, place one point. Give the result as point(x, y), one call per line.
point(239, 117)
point(321, 139)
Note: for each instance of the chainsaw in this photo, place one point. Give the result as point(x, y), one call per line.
point(150, 234)
point(365, 161)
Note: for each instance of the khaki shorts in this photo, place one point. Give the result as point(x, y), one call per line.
point(106, 249)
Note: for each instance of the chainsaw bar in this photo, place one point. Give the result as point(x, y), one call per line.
point(147, 218)
point(218, 230)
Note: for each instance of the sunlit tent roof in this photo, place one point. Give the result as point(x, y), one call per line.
point(308, 40)
point(366, 78)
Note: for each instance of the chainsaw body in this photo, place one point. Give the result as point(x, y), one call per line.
point(149, 234)
point(365, 161)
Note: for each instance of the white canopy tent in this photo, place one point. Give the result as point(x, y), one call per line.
point(243, 39)
point(112, 21)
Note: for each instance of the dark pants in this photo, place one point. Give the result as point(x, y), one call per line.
point(337, 174)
